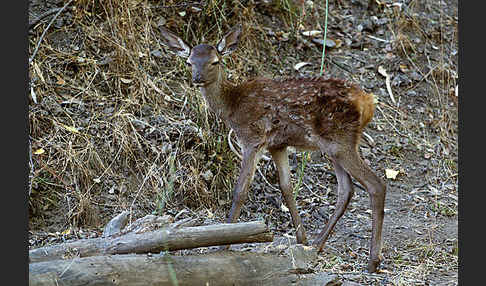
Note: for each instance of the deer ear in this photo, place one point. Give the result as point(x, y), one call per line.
point(174, 43)
point(230, 41)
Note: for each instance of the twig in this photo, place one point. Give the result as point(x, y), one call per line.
point(378, 39)
point(47, 28)
point(42, 16)
point(232, 148)
point(266, 181)
point(369, 138)
point(340, 65)
point(183, 4)
point(31, 165)
point(66, 269)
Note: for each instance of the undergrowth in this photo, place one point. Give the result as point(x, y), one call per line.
point(111, 111)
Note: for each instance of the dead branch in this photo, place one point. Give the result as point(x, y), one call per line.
point(223, 268)
point(167, 238)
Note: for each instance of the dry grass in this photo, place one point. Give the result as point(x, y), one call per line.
point(116, 119)
point(112, 114)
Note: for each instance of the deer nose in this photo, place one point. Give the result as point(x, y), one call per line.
point(198, 79)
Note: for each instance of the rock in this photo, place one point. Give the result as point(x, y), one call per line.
point(208, 175)
point(329, 42)
point(156, 53)
point(367, 26)
point(415, 76)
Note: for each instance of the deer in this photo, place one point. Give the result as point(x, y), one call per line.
point(315, 114)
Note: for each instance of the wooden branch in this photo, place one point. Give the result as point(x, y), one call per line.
point(168, 238)
point(223, 268)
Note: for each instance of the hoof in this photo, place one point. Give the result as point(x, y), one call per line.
point(301, 237)
point(317, 245)
point(373, 265)
point(303, 241)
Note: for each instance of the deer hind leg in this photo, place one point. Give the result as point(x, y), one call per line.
point(346, 155)
point(345, 193)
point(281, 159)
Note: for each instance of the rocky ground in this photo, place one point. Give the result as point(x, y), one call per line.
point(115, 123)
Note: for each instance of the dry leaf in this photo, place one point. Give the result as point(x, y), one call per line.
point(404, 68)
point(39, 73)
point(284, 208)
point(311, 33)
point(152, 84)
point(70, 128)
point(210, 214)
point(33, 95)
point(300, 65)
point(383, 72)
point(391, 174)
point(39, 151)
point(161, 21)
point(60, 81)
point(338, 42)
point(375, 98)
point(125, 80)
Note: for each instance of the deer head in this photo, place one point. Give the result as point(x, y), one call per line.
point(203, 59)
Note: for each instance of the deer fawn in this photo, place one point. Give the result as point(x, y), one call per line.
point(307, 113)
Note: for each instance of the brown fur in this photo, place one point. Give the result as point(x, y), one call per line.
point(289, 111)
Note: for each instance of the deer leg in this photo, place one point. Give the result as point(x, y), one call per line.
point(240, 192)
point(345, 193)
point(281, 159)
point(350, 160)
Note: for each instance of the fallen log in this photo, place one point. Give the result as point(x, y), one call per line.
point(167, 238)
point(222, 268)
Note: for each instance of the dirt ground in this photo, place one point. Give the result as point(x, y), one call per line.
point(116, 124)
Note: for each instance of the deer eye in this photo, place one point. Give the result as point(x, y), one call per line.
point(215, 63)
point(188, 64)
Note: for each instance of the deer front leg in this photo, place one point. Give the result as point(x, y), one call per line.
point(240, 192)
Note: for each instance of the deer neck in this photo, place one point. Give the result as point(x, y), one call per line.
point(217, 95)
